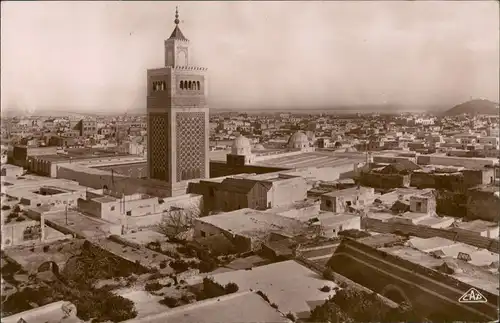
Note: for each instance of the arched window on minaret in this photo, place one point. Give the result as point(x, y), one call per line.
point(163, 85)
point(189, 85)
point(181, 85)
point(198, 85)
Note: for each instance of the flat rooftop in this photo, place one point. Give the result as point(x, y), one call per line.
point(279, 281)
point(307, 159)
point(49, 313)
point(251, 222)
point(144, 237)
point(330, 218)
point(479, 257)
point(379, 240)
point(465, 272)
point(382, 216)
point(74, 221)
point(80, 156)
point(435, 220)
point(241, 307)
point(135, 170)
point(26, 186)
point(477, 225)
point(350, 191)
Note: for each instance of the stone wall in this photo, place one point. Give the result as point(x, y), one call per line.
point(98, 179)
point(13, 234)
point(220, 169)
point(451, 203)
point(379, 270)
point(452, 181)
point(482, 205)
point(384, 180)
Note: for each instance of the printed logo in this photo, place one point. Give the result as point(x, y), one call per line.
point(472, 296)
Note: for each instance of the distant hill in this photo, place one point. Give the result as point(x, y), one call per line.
point(474, 107)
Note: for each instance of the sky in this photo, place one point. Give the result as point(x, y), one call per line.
point(93, 56)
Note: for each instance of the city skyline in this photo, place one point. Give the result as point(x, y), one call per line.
point(94, 56)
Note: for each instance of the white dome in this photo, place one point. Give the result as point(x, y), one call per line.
point(241, 146)
point(259, 147)
point(241, 142)
point(298, 138)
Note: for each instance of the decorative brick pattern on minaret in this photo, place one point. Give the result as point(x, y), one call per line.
point(177, 117)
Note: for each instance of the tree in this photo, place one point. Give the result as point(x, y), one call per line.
point(177, 220)
point(329, 312)
point(350, 305)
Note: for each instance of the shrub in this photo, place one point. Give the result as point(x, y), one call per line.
point(186, 251)
point(104, 306)
point(151, 287)
point(155, 245)
point(231, 288)
point(212, 289)
point(170, 301)
point(163, 264)
point(273, 305)
point(46, 248)
point(19, 219)
point(207, 266)
point(328, 274)
point(5, 207)
point(263, 295)
point(179, 265)
point(185, 299)
point(16, 209)
point(291, 316)
point(325, 289)
point(156, 276)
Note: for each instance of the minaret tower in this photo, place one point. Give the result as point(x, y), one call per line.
point(177, 117)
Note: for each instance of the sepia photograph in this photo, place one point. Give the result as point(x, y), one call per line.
point(250, 161)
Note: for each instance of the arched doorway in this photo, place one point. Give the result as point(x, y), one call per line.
point(49, 266)
point(395, 294)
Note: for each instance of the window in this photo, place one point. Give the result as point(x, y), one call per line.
point(328, 203)
point(198, 87)
point(212, 192)
point(348, 203)
point(203, 234)
point(129, 213)
point(112, 208)
point(419, 206)
point(269, 205)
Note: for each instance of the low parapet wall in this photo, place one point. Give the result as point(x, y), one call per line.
point(428, 232)
point(341, 279)
point(416, 268)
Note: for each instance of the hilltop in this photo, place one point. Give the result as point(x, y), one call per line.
point(474, 107)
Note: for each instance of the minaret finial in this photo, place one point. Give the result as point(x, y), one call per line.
point(176, 15)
